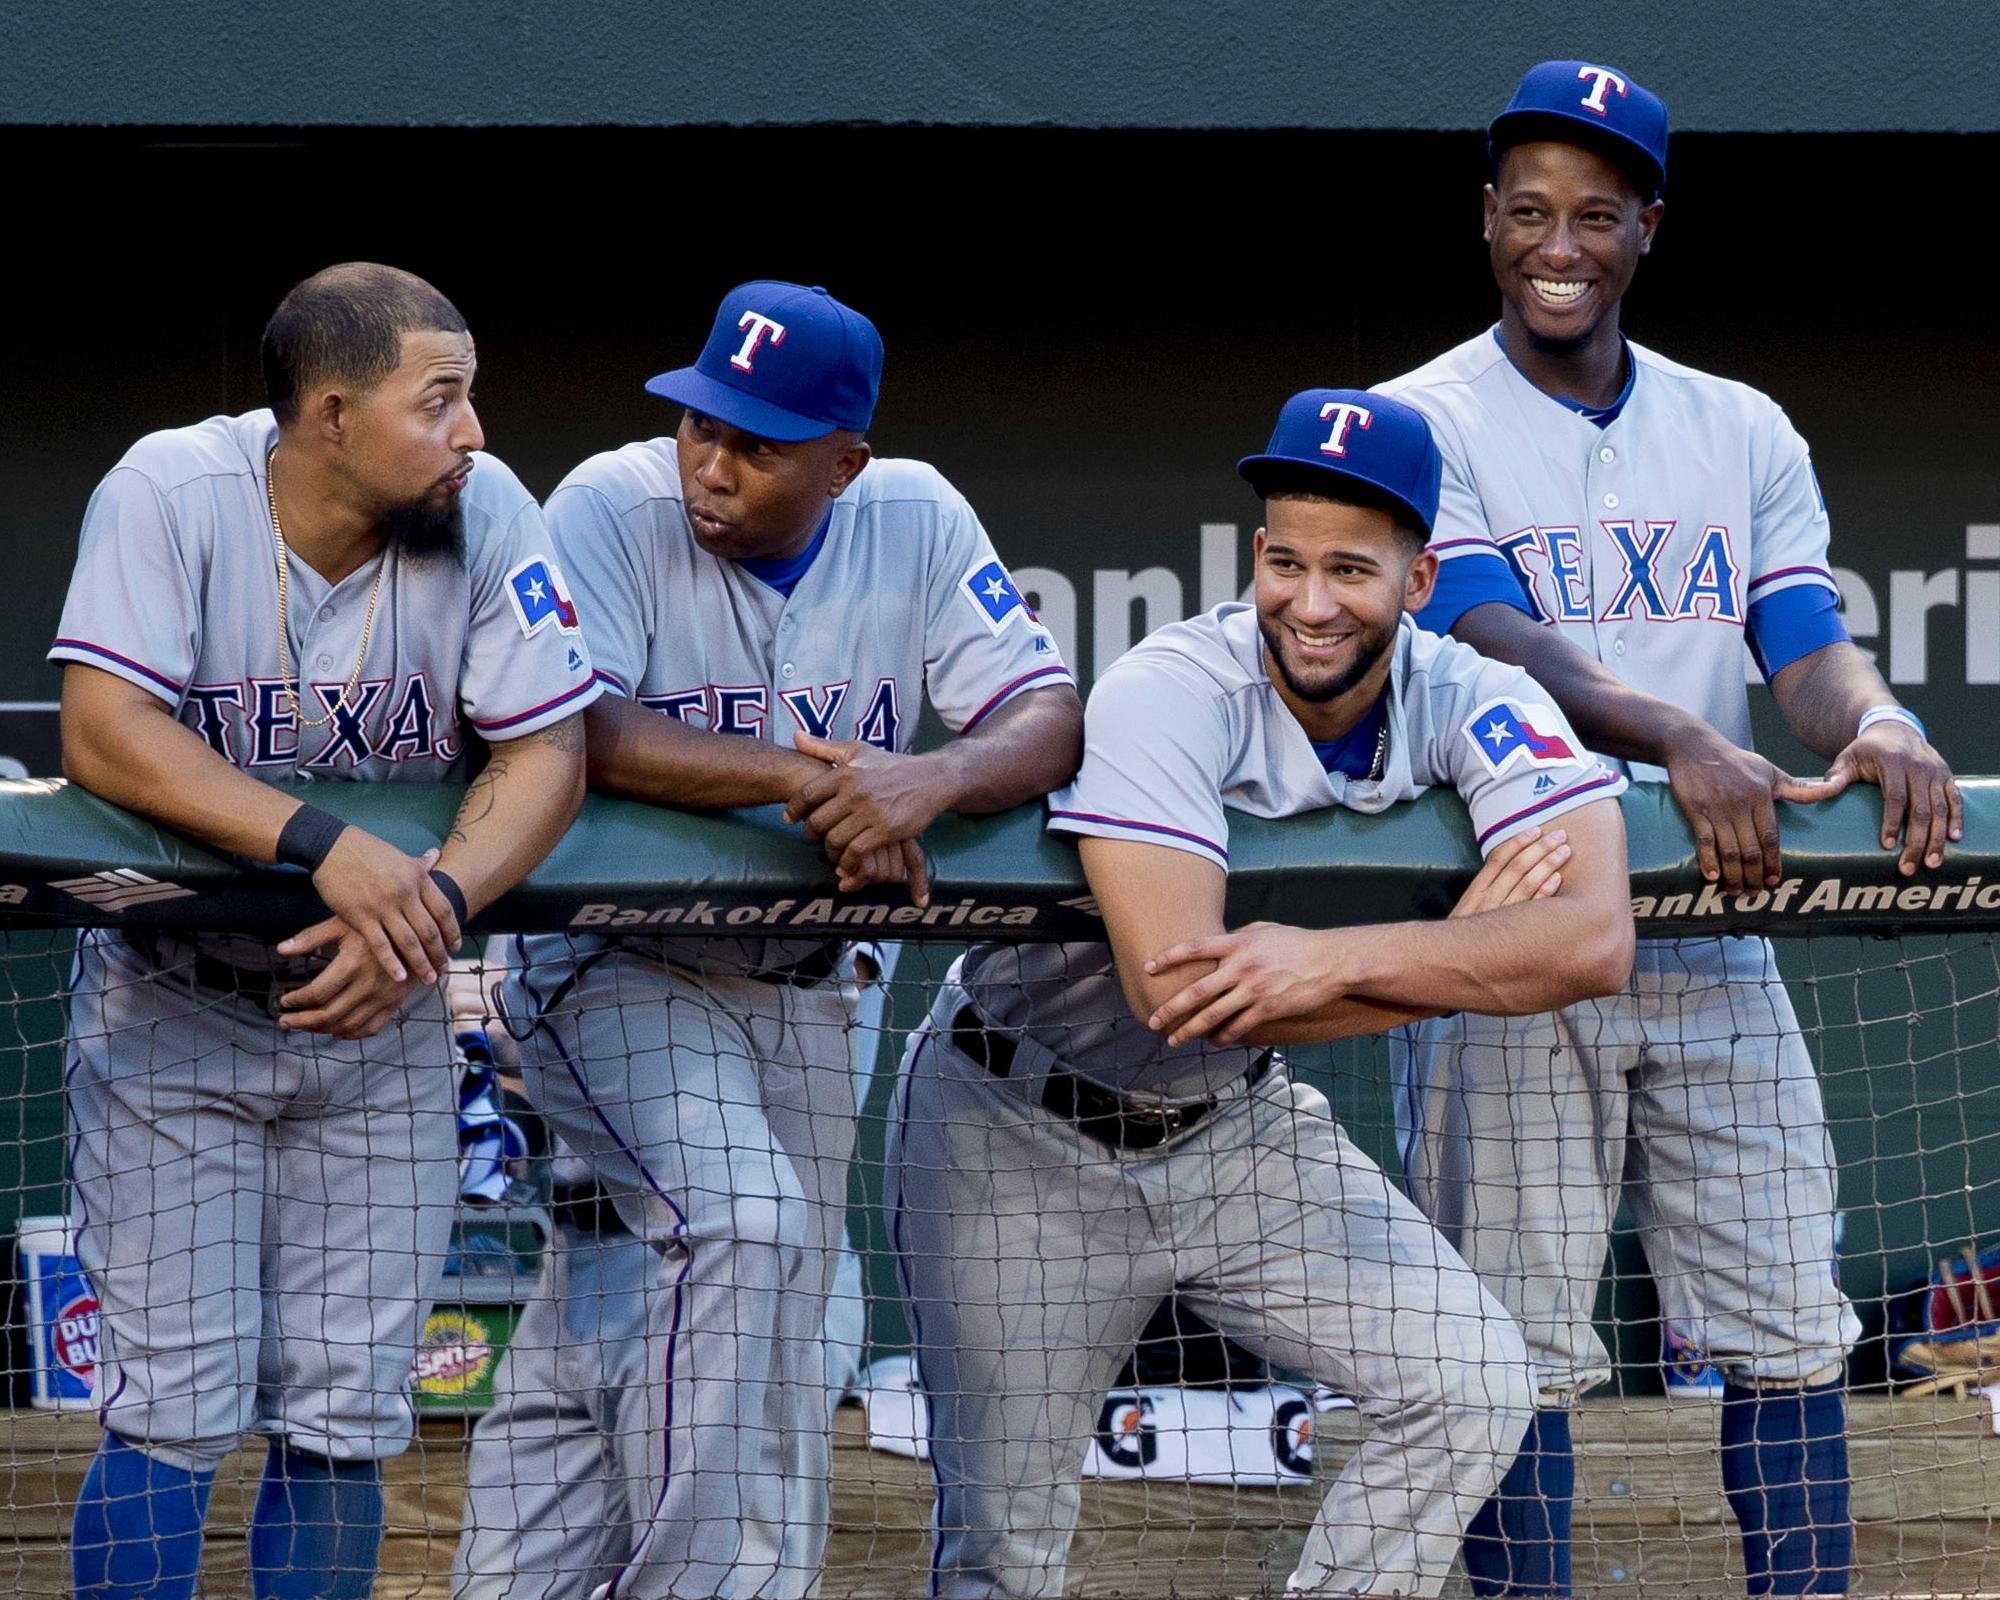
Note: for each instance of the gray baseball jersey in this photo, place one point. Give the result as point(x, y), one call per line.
point(728, 1097)
point(1033, 1254)
point(1185, 726)
point(1658, 541)
point(207, 1143)
point(1658, 536)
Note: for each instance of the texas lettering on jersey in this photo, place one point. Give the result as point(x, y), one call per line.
point(251, 724)
point(816, 709)
point(1662, 579)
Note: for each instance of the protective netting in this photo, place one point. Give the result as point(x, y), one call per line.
point(623, 1239)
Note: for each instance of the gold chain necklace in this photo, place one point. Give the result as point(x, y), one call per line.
point(285, 674)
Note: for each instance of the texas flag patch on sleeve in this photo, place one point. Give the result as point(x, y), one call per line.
point(994, 595)
point(1507, 731)
point(536, 588)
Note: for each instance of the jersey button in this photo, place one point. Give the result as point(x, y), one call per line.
point(1607, 454)
point(1618, 647)
point(1611, 502)
point(788, 671)
point(324, 662)
point(326, 613)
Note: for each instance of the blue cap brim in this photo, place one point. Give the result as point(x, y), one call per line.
point(1254, 470)
point(699, 392)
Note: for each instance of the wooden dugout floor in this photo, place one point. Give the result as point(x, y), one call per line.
point(1650, 1515)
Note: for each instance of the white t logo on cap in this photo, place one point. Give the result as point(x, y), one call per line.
point(1344, 415)
point(760, 327)
point(1605, 78)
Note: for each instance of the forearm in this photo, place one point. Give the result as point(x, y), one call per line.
point(1608, 714)
point(1515, 961)
point(1027, 748)
point(140, 758)
point(643, 755)
point(1823, 695)
point(514, 812)
point(1342, 1019)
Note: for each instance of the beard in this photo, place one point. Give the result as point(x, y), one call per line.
point(428, 529)
point(1370, 648)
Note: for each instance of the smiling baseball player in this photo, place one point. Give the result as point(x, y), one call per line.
point(1057, 1165)
point(1621, 526)
point(263, 1139)
point(769, 608)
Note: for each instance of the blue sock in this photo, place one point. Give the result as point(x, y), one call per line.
point(1520, 1541)
point(1784, 1469)
point(317, 1531)
point(138, 1526)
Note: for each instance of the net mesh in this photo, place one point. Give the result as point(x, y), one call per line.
point(1204, 1461)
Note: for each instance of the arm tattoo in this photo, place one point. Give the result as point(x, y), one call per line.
point(477, 805)
point(565, 736)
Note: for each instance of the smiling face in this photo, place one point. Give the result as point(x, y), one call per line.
point(757, 497)
point(1565, 230)
point(1333, 582)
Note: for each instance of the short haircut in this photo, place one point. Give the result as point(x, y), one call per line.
point(1310, 484)
point(346, 325)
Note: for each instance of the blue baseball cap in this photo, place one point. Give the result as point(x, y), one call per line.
point(1349, 434)
point(1578, 102)
point(783, 362)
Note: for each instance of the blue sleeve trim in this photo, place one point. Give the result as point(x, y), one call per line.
point(1793, 623)
point(1472, 580)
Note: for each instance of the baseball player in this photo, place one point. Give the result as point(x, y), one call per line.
point(1622, 526)
point(769, 606)
point(1083, 1128)
point(341, 588)
point(556, 1475)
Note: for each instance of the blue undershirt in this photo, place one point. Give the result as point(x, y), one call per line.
point(1603, 416)
point(1353, 753)
point(783, 572)
point(1783, 627)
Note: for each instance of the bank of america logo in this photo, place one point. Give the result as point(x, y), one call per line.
point(120, 889)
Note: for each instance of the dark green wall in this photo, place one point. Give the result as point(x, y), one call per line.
point(1765, 65)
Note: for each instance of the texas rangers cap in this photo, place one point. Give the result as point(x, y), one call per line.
point(1349, 434)
point(783, 362)
point(1601, 108)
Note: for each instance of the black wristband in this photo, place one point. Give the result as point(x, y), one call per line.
point(308, 837)
point(448, 887)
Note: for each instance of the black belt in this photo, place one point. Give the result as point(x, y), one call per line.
point(1104, 1115)
point(253, 985)
point(586, 1208)
point(814, 969)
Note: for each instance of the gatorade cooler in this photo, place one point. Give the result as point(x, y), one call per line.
point(62, 1316)
point(496, 1255)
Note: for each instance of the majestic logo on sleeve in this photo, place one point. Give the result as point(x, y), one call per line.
point(1505, 731)
point(760, 327)
point(994, 596)
point(536, 589)
point(1343, 414)
point(1602, 78)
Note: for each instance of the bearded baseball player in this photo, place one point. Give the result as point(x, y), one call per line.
point(1084, 1128)
point(775, 606)
point(340, 588)
point(1622, 526)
